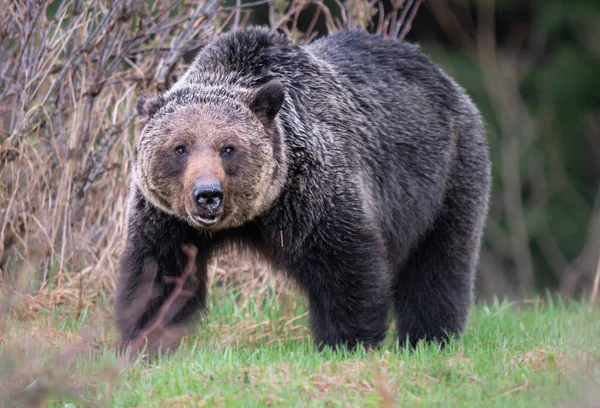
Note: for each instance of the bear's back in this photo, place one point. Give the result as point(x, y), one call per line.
point(386, 66)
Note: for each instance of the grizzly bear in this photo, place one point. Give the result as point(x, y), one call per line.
point(354, 165)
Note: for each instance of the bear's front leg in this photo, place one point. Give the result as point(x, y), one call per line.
point(162, 282)
point(349, 292)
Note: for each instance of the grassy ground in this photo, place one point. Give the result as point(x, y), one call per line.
point(528, 354)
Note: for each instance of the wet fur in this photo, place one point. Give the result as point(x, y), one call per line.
point(375, 198)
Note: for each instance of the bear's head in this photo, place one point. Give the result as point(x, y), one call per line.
point(211, 156)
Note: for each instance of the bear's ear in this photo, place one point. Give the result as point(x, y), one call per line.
point(267, 100)
point(147, 105)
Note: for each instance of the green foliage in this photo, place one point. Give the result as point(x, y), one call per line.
point(247, 354)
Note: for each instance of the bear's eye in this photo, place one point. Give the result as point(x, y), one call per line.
point(180, 150)
point(228, 150)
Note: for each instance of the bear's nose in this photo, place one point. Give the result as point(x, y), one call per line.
point(208, 194)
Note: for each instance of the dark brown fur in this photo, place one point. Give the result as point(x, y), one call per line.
point(357, 152)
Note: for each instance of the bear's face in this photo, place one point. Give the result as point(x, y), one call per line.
point(210, 162)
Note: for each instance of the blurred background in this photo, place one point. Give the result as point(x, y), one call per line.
point(70, 72)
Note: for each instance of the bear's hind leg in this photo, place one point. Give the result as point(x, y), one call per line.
point(433, 290)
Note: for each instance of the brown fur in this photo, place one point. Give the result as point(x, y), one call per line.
point(247, 181)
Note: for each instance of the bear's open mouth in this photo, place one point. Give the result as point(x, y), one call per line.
point(206, 220)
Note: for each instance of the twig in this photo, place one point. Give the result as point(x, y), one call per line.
point(247, 5)
point(292, 11)
point(397, 25)
point(408, 24)
point(179, 44)
point(520, 388)
point(190, 268)
point(596, 283)
point(238, 11)
point(103, 147)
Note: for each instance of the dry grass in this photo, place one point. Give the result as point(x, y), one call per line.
point(67, 92)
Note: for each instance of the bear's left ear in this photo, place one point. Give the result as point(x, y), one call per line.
point(147, 105)
point(267, 100)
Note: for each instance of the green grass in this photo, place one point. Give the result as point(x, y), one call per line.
point(248, 355)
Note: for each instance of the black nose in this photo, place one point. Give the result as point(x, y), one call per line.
point(208, 194)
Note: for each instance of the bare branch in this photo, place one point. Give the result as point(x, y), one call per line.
point(596, 282)
point(160, 322)
point(247, 5)
point(238, 11)
point(407, 25)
